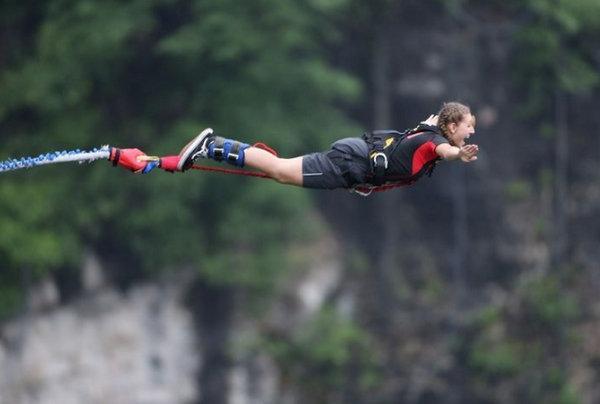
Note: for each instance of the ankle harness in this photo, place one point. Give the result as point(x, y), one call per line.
point(229, 150)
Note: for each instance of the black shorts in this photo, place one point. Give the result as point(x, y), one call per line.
point(344, 165)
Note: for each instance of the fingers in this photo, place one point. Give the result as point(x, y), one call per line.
point(470, 149)
point(469, 153)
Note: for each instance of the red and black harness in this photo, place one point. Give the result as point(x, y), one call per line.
point(382, 144)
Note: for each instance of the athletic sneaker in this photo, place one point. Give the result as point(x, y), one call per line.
point(197, 147)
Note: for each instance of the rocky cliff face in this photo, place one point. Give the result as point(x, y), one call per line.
point(148, 344)
point(106, 347)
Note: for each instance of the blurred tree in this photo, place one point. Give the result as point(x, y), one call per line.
point(331, 356)
point(555, 60)
point(151, 74)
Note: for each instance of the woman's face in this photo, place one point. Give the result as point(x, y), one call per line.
point(461, 131)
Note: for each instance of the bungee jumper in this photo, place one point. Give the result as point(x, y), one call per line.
point(378, 161)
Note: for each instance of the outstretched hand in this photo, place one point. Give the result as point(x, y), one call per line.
point(468, 153)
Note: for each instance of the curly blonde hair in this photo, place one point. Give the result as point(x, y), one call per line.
point(451, 112)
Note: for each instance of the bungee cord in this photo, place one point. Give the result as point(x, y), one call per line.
point(64, 156)
point(137, 161)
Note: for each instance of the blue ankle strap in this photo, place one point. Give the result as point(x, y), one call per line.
point(229, 150)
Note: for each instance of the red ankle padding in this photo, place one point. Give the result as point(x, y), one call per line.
point(128, 158)
point(169, 163)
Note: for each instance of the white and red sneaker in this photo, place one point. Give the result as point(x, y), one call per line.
point(197, 147)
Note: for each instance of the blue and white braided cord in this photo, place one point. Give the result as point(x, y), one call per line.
point(55, 157)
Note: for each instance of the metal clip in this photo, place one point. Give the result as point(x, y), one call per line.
point(375, 156)
point(218, 153)
point(362, 190)
point(146, 159)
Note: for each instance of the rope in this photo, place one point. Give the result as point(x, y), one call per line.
point(231, 171)
point(266, 148)
point(363, 190)
point(55, 157)
point(366, 189)
point(235, 171)
point(103, 153)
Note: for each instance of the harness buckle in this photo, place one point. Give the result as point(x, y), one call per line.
point(233, 157)
point(375, 157)
point(218, 153)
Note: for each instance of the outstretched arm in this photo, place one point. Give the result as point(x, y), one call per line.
point(467, 153)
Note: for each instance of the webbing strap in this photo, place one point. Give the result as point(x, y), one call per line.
point(218, 148)
point(239, 171)
point(364, 190)
point(233, 154)
point(231, 171)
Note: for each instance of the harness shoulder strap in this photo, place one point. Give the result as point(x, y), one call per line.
point(423, 128)
point(380, 144)
point(420, 128)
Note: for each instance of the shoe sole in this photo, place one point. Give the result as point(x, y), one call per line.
point(187, 150)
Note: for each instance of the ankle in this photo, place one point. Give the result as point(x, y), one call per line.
point(230, 150)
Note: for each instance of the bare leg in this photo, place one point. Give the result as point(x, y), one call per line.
point(286, 171)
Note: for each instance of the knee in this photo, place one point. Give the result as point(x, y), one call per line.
point(282, 172)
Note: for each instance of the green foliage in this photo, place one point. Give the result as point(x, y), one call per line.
point(272, 218)
point(553, 51)
point(326, 354)
point(553, 387)
point(151, 74)
point(30, 235)
point(11, 295)
point(519, 190)
point(500, 358)
point(548, 304)
point(522, 342)
point(487, 316)
point(568, 395)
point(493, 353)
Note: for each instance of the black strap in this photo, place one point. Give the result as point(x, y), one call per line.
point(431, 167)
point(234, 151)
point(117, 156)
point(378, 154)
point(218, 148)
point(379, 165)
